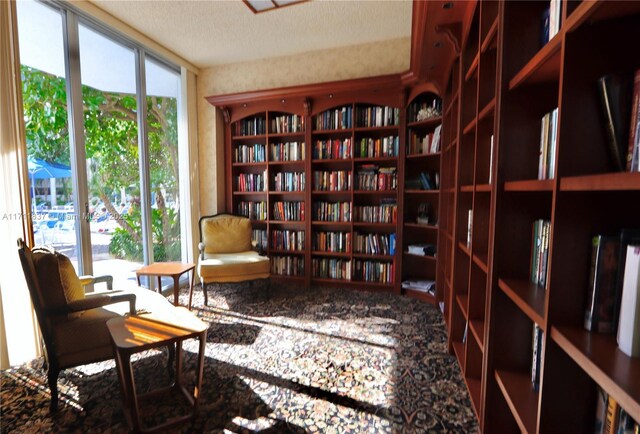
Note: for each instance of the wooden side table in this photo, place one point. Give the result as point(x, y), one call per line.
point(171, 269)
point(133, 334)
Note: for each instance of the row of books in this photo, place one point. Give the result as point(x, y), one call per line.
point(548, 139)
point(613, 277)
point(386, 212)
point(373, 271)
point(332, 211)
point(375, 244)
point(550, 21)
point(541, 233)
point(333, 180)
point(260, 238)
point(335, 149)
point(424, 143)
point(250, 127)
point(253, 210)
point(287, 240)
point(372, 178)
point(288, 211)
point(377, 116)
point(335, 242)
point(287, 124)
point(369, 147)
point(611, 418)
point(287, 265)
point(288, 151)
point(289, 181)
point(331, 268)
point(251, 182)
point(424, 109)
point(249, 153)
point(619, 96)
point(423, 181)
point(335, 119)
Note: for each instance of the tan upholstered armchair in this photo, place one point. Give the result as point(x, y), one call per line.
point(72, 323)
point(227, 253)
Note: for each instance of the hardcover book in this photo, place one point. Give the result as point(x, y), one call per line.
point(614, 92)
point(629, 328)
point(601, 302)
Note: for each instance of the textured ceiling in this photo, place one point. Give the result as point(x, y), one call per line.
point(218, 32)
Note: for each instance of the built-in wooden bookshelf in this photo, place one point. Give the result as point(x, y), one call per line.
point(330, 156)
point(501, 83)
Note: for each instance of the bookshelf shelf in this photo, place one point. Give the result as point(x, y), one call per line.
point(483, 188)
point(458, 349)
point(287, 163)
point(477, 329)
point(521, 398)
point(471, 126)
point(490, 41)
point(487, 110)
point(420, 295)
point(421, 226)
point(421, 191)
point(473, 68)
point(259, 137)
point(298, 135)
point(467, 188)
point(427, 123)
point(423, 156)
point(286, 252)
point(261, 164)
point(375, 160)
point(475, 389)
point(420, 257)
point(599, 355)
point(530, 185)
point(602, 182)
point(321, 223)
point(528, 297)
point(480, 260)
point(464, 248)
point(544, 67)
point(463, 302)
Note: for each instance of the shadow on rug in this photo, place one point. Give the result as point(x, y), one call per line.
point(317, 360)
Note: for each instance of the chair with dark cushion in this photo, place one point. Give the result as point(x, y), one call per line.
point(72, 323)
point(227, 253)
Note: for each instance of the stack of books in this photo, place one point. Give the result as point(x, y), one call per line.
point(422, 285)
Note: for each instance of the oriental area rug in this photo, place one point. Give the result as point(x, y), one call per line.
point(319, 360)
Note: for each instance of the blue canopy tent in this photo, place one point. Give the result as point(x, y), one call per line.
point(40, 169)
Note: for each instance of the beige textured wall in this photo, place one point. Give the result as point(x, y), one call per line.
point(367, 60)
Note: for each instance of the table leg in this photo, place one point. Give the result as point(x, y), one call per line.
point(199, 373)
point(159, 284)
point(138, 278)
point(128, 387)
point(176, 289)
point(193, 276)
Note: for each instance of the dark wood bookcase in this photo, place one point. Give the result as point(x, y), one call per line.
point(502, 81)
point(353, 168)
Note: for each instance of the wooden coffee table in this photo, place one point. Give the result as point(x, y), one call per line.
point(171, 269)
point(136, 333)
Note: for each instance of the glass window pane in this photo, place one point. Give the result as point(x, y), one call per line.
point(44, 93)
point(163, 87)
point(111, 144)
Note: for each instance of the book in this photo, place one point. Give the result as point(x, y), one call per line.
point(469, 228)
point(614, 92)
point(612, 416)
point(422, 249)
point(627, 236)
point(601, 299)
point(422, 285)
point(536, 348)
point(626, 424)
point(629, 326)
point(634, 126)
point(601, 411)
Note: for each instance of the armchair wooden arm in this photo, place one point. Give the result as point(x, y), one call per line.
point(87, 280)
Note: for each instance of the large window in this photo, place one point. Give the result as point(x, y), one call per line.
point(102, 138)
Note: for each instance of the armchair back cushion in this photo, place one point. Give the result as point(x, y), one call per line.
point(226, 234)
point(58, 282)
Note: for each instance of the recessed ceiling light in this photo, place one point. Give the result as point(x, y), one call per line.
point(258, 6)
point(438, 44)
point(447, 5)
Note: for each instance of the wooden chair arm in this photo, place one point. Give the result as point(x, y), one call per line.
point(99, 300)
point(87, 280)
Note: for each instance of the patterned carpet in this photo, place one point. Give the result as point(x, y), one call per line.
point(301, 361)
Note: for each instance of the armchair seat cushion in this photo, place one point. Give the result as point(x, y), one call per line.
point(233, 267)
point(84, 336)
